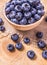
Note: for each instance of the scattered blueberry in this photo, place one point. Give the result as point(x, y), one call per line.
point(10, 47)
point(1, 21)
point(26, 40)
point(14, 37)
point(23, 21)
point(31, 54)
point(39, 34)
point(46, 18)
point(44, 54)
point(19, 46)
point(41, 44)
point(2, 28)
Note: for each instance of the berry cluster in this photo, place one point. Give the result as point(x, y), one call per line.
point(24, 12)
point(31, 54)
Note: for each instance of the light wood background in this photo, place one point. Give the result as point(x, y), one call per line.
point(20, 57)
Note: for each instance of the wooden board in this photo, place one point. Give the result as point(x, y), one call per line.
point(20, 57)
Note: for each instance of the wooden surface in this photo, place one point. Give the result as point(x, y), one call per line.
point(20, 57)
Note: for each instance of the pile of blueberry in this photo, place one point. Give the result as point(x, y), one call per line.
point(31, 54)
point(24, 12)
point(2, 28)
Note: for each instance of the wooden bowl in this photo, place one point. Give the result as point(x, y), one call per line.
point(23, 27)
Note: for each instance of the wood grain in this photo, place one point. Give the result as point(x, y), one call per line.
point(20, 57)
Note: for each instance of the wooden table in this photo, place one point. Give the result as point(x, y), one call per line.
point(20, 57)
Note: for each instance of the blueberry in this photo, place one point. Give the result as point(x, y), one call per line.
point(31, 20)
point(14, 37)
point(27, 14)
point(26, 40)
point(41, 44)
point(14, 20)
point(19, 46)
point(26, 6)
point(10, 47)
point(2, 28)
point(44, 54)
point(18, 8)
point(46, 18)
point(34, 2)
point(12, 14)
point(41, 12)
point(19, 1)
point(8, 16)
point(24, 1)
point(33, 11)
point(18, 16)
point(23, 21)
point(1, 21)
point(13, 2)
point(8, 4)
point(31, 54)
point(39, 34)
point(37, 17)
point(7, 10)
point(12, 7)
point(39, 6)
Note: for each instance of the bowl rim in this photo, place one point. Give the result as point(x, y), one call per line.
point(19, 24)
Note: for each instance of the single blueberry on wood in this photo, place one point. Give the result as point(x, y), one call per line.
point(26, 40)
point(39, 34)
point(10, 47)
point(44, 54)
point(14, 37)
point(31, 54)
point(41, 44)
point(19, 46)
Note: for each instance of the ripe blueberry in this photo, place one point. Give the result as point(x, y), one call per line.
point(37, 17)
point(18, 8)
point(26, 40)
point(18, 15)
point(19, 46)
point(14, 20)
point(27, 14)
point(23, 21)
point(25, 6)
point(44, 54)
point(31, 20)
point(10, 47)
point(1, 21)
point(14, 37)
point(31, 54)
point(41, 44)
point(39, 34)
point(2, 28)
